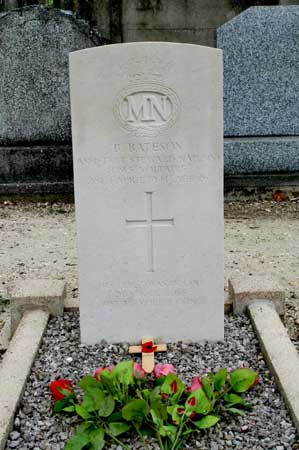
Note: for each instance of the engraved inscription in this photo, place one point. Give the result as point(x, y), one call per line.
point(146, 109)
point(149, 223)
point(150, 292)
point(153, 163)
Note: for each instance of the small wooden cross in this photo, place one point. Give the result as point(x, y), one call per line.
point(147, 350)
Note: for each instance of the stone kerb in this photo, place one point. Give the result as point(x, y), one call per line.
point(35, 123)
point(264, 300)
point(46, 295)
point(242, 291)
point(261, 117)
point(16, 365)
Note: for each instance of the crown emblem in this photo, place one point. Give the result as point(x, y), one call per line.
point(147, 68)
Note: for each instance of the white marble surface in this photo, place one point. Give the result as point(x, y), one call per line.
point(147, 138)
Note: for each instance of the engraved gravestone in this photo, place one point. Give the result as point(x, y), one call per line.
point(147, 142)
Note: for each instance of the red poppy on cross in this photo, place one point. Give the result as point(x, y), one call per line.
point(147, 350)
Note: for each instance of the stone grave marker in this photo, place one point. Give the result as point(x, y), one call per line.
point(147, 143)
point(35, 119)
point(261, 92)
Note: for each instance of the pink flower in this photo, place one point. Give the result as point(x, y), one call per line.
point(195, 384)
point(99, 370)
point(138, 371)
point(163, 370)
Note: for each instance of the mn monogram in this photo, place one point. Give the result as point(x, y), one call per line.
point(147, 109)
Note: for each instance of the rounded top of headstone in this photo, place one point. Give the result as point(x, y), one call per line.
point(261, 62)
point(34, 101)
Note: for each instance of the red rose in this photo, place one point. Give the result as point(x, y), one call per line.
point(58, 385)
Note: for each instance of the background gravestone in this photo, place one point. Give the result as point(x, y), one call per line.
point(35, 124)
point(261, 90)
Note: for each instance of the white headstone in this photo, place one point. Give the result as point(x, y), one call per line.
point(147, 139)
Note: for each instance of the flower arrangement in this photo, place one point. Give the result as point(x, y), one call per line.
point(122, 399)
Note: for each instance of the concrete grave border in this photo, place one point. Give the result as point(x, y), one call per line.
point(32, 302)
point(264, 308)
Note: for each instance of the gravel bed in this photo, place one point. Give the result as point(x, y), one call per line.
point(268, 426)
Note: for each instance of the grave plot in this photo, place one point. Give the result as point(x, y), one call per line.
point(267, 426)
point(147, 134)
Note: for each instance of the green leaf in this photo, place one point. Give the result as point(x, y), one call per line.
point(187, 432)
point(235, 411)
point(70, 408)
point(82, 412)
point(123, 372)
point(242, 379)
point(108, 381)
point(159, 381)
point(168, 431)
point(173, 387)
point(115, 417)
point(157, 405)
point(59, 405)
point(146, 394)
point(233, 399)
point(83, 427)
point(201, 404)
point(207, 387)
point(156, 418)
point(206, 422)
point(93, 399)
point(89, 382)
point(118, 428)
point(176, 417)
point(106, 407)
point(78, 441)
point(146, 431)
point(135, 410)
point(97, 439)
point(219, 379)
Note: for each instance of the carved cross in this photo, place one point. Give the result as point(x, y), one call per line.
point(149, 222)
point(147, 350)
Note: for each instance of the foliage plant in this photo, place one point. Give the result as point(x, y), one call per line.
point(121, 399)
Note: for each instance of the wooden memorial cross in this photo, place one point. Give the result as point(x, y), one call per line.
point(147, 350)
